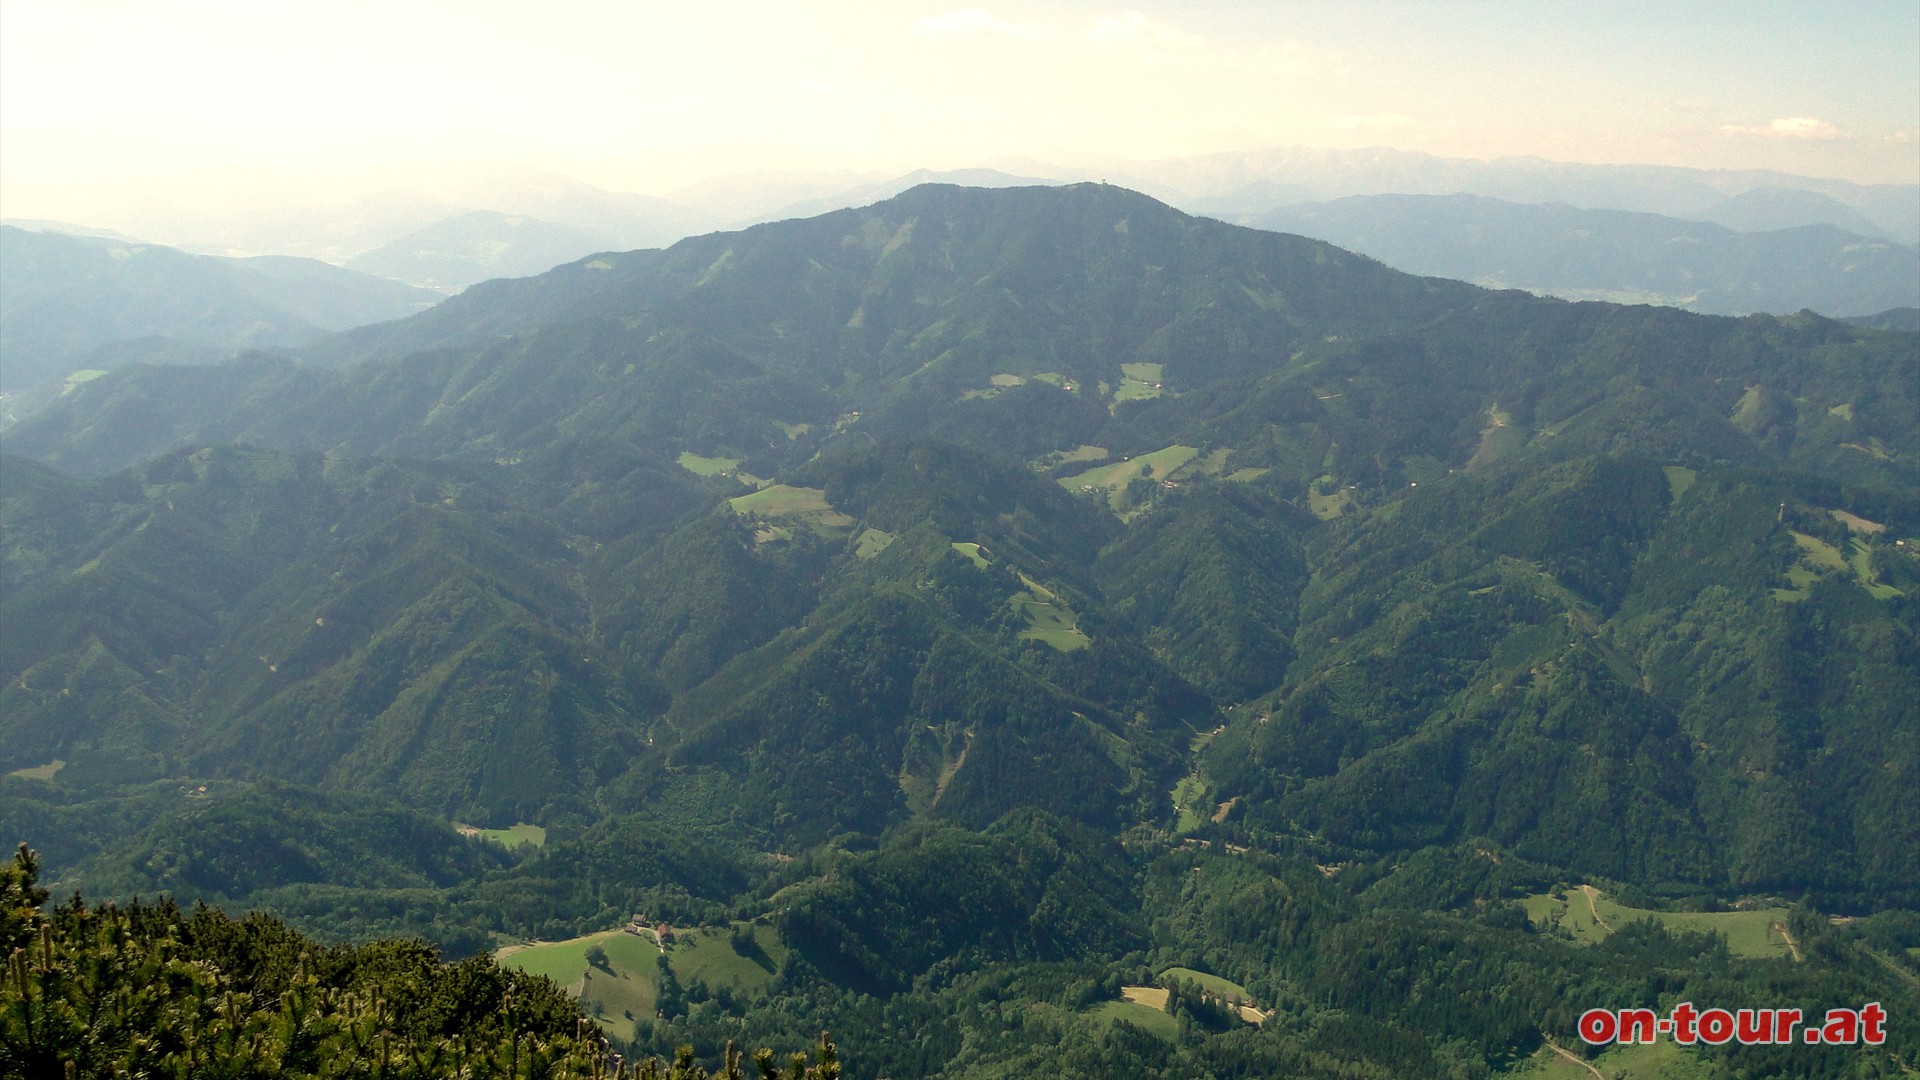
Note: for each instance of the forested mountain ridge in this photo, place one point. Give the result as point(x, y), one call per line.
point(784, 575)
point(75, 303)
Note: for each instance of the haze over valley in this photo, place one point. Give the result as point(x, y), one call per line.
point(1058, 542)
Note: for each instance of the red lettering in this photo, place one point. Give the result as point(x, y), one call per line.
point(1784, 1021)
point(1873, 1020)
point(1637, 1025)
point(1598, 1026)
point(1842, 1026)
point(1754, 1026)
point(1716, 1026)
point(1683, 1018)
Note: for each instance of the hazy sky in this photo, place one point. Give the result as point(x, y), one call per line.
point(106, 101)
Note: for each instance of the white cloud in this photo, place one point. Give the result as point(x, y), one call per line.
point(1787, 127)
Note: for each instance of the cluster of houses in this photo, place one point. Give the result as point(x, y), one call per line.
point(661, 933)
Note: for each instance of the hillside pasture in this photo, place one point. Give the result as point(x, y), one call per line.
point(1226, 989)
point(40, 772)
point(1589, 917)
point(1153, 1019)
point(1819, 558)
point(628, 987)
point(1679, 479)
point(809, 505)
point(974, 553)
point(871, 542)
point(1049, 620)
point(519, 834)
point(1647, 1061)
point(708, 955)
point(1138, 382)
point(707, 466)
point(1114, 478)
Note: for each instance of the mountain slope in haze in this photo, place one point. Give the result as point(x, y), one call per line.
point(979, 503)
point(68, 300)
point(1248, 183)
point(1617, 255)
point(891, 311)
point(1766, 209)
point(453, 254)
point(863, 194)
point(961, 618)
point(249, 212)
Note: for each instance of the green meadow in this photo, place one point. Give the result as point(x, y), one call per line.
point(973, 552)
point(871, 542)
point(1138, 382)
point(513, 836)
point(1819, 558)
point(1114, 478)
point(628, 986)
point(1650, 1061)
point(40, 772)
point(782, 500)
point(1154, 1021)
point(1049, 621)
point(1749, 933)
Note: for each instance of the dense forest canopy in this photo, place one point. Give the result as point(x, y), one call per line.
point(1022, 631)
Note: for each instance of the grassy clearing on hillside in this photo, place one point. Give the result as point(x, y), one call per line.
point(1149, 1018)
point(1861, 560)
point(1749, 933)
point(1146, 1006)
point(565, 961)
point(1083, 452)
point(1856, 523)
point(973, 552)
point(1213, 984)
point(708, 955)
point(1049, 621)
point(1819, 558)
point(1652, 1061)
point(1226, 989)
point(513, 836)
point(1328, 504)
point(707, 466)
point(84, 375)
point(1114, 478)
point(1498, 439)
point(1190, 802)
point(871, 542)
point(40, 772)
point(628, 987)
point(1138, 382)
point(1821, 554)
point(1679, 479)
point(782, 500)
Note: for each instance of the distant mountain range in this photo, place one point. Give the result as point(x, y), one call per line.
point(1616, 255)
point(69, 303)
point(460, 251)
point(1009, 600)
point(1237, 185)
